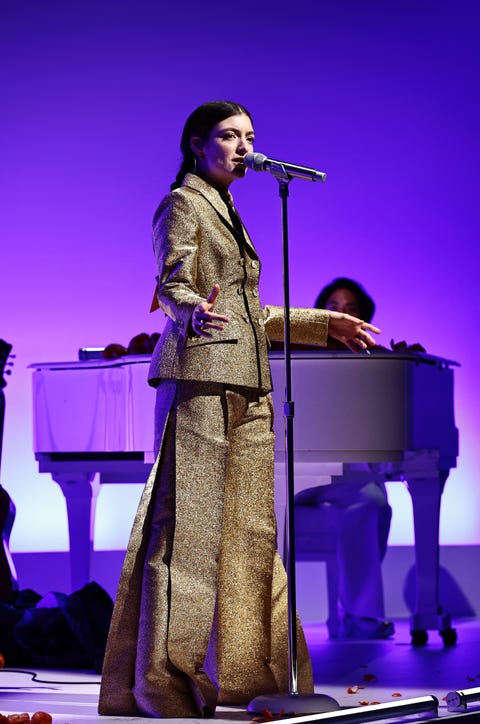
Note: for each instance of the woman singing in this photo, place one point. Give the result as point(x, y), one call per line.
point(200, 617)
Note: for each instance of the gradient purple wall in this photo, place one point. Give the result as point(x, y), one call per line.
point(382, 95)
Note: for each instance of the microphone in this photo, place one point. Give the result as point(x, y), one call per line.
point(259, 162)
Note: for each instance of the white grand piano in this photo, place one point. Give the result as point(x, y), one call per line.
point(392, 410)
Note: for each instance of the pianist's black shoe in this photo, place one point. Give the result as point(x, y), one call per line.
point(364, 628)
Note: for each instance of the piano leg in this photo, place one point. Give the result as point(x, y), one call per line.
point(426, 493)
point(80, 498)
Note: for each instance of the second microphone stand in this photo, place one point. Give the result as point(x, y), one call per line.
point(291, 701)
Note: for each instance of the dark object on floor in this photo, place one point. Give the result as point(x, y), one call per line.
point(57, 630)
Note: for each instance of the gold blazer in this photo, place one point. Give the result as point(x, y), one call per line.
point(197, 246)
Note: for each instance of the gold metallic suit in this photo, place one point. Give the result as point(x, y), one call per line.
point(201, 611)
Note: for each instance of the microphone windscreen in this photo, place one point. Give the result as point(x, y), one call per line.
point(255, 161)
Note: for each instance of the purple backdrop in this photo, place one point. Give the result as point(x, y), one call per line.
point(382, 95)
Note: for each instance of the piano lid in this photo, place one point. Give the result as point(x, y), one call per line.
point(365, 407)
point(373, 353)
point(93, 406)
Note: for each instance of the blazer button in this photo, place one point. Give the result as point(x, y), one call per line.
point(254, 264)
point(240, 290)
point(255, 292)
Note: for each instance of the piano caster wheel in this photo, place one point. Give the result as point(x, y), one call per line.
point(449, 636)
point(419, 637)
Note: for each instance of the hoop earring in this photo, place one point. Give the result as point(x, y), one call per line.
point(194, 163)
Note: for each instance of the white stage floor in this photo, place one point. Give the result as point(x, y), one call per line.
point(383, 671)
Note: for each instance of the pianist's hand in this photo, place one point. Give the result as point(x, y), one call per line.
point(203, 317)
point(351, 331)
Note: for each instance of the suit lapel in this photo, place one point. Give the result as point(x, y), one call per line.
point(220, 206)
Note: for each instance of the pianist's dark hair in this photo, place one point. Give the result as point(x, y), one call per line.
point(200, 123)
point(365, 302)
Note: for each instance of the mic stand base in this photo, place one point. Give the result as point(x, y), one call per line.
point(425, 706)
point(283, 704)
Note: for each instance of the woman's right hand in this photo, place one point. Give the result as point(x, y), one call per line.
point(351, 331)
point(203, 318)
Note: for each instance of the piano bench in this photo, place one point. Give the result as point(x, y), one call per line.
point(316, 537)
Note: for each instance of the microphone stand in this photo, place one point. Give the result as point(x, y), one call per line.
point(293, 701)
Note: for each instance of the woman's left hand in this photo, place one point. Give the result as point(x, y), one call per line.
point(351, 331)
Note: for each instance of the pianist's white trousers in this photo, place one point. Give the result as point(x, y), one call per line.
point(363, 518)
point(200, 616)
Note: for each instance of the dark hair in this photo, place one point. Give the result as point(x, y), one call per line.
point(365, 302)
point(200, 123)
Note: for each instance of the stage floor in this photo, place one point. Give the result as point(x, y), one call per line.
point(354, 673)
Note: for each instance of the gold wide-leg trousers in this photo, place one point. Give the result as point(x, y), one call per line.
point(201, 612)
